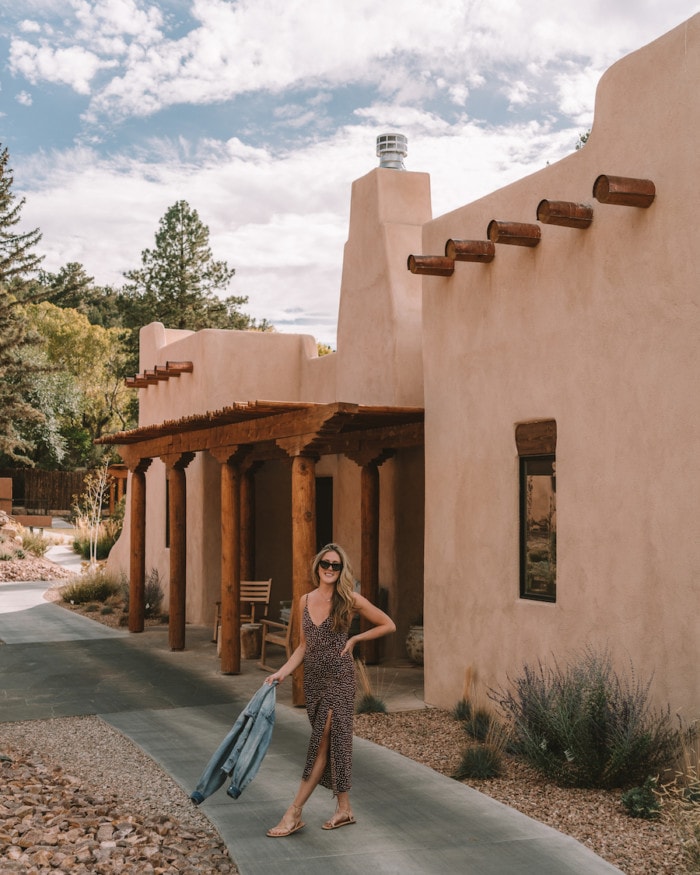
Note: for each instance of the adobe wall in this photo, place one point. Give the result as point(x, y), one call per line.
point(597, 329)
point(379, 361)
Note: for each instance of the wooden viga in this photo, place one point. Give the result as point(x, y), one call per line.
point(483, 251)
point(514, 233)
point(566, 213)
point(624, 190)
point(431, 265)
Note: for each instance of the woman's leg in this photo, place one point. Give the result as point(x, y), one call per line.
point(292, 816)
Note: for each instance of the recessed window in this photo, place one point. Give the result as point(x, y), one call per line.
point(536, 443)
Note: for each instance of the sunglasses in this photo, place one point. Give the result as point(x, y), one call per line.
point(335, 566)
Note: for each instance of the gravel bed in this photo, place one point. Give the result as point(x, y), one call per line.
point(77, 796)
point(596, 818)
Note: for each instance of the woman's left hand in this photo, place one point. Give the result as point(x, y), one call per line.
point(349, 646)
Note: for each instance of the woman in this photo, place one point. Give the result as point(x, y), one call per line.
point(329, 682)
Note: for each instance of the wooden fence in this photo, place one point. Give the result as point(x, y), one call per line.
point(44, 492)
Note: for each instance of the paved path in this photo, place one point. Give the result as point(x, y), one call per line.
point(178, 707)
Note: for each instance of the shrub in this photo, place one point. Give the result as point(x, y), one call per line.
point(582, 725)
point(369, 704)
point(462, 710)
point(34, 543)
point(642, 801)
point(95, 586)
point(478, 723)
point(153, 594)
point(479, 761)
point(107, 534)
point(6, 557)
point(681, 797)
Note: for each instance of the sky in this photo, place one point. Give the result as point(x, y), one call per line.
point(261, 113)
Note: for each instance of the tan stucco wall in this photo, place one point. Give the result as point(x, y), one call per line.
point(379, 361)
point(597, 329)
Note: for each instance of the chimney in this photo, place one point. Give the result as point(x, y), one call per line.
point(391, 150)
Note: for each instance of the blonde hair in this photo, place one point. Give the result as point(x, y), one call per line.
point(343, 603)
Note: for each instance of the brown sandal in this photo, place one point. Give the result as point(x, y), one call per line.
point(340, 818)
point(279, 832)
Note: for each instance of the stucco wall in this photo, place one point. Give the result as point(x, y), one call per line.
point(597, 329)
point(379, 362)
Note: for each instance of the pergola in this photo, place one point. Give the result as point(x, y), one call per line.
point(240, 437)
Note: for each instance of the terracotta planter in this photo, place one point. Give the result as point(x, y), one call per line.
point(414, 644)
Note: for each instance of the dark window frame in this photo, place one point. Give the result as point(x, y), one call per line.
point(536, 443)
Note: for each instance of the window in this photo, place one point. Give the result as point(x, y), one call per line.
point(536, 443)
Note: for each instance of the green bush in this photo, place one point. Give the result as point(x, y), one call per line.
point(95, 586)
point(479, 762)
point(583, 725)
point(462, 710)
point(369, 704)
point(643, 801)
point(478, 724)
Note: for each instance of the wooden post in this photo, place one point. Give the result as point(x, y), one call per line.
point(303, 549)
point(369, 561)
point(248, 524)
point(137, 564)
point(178, 548)
point(230, 567)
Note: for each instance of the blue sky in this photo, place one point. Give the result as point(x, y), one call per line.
point(261, 113)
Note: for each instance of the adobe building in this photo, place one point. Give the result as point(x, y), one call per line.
point(507, 439)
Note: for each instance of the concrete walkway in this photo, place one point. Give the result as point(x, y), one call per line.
point(177, 707)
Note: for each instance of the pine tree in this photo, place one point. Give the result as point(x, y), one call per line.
point(178, 281)
point(18, 363)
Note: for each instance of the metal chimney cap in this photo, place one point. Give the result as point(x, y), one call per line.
point(391, 150)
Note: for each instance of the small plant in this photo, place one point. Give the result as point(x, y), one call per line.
point(20, 554)
point(369, 702)
point(92, 608)
point(681, 798)
point(462, 710)
point(479, 762)
point(95, 586)
point(643, 801)
point(107, 609)
point(34, 543)
point(6, 557)
point(478, 723)
point(153, 594)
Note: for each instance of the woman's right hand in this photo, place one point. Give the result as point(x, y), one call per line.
point(277, 676)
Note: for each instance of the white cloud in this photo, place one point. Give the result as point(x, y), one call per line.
point(72, 66)
point(24, 98)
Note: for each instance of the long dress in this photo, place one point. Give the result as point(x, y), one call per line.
point(329, 684)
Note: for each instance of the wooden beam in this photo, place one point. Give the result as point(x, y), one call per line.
point(369, 561)
point(177, 511)
point(303, 550)
point(230, 568)
point(137, 546)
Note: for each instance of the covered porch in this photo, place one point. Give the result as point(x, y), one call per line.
point(242, 438)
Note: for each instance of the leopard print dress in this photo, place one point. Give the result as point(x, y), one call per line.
point(329, 685)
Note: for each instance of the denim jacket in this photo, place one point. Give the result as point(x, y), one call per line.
point(239, 755)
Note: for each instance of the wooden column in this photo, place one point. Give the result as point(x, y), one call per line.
point(177, 511)
point(137, 561)
point(248, 523)
point(231, 459)
point(369, 561)
point(303, 549)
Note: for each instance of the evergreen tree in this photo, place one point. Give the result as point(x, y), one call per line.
point(179, 282)
point(18, 365)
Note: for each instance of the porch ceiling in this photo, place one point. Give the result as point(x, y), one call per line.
point(274, 429)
